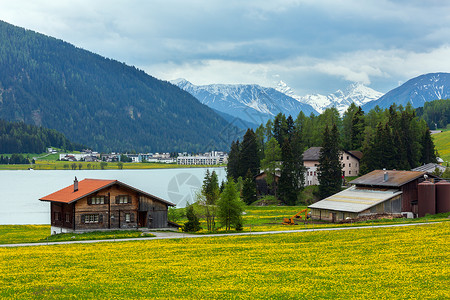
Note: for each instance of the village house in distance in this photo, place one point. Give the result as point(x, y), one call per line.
point(96, 204)
point(349, 162)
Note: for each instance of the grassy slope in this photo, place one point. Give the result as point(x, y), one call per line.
point(383, 263)
point(442, 143)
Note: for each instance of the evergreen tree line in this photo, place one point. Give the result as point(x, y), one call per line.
point(14, 159)
point(393, 138)
point(435, 113)
point(18, 137)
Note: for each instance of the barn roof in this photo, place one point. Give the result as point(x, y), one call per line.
point(87, 187)
point(355, 200)
point(430, 168)
point(395, 178)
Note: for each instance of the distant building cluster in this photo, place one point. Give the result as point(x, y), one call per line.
point(91, 156)
point(208, 158)
point(85, 155)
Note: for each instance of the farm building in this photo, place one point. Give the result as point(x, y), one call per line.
point(96, 204)
point(385, 192)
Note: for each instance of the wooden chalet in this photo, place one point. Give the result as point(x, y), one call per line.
point(96, 204)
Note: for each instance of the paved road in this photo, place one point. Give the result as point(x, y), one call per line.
point(161, 235)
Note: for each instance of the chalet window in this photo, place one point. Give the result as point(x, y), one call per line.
point(67, 218)
point(348, 157)
point(127, 217)
point(123, 199)
point(91, 218)
point(97, 200)
point(57, 216)
point(343, 165)
point(349, 164)
point(349, 172)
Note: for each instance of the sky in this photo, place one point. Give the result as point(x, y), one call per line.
point(314, 46)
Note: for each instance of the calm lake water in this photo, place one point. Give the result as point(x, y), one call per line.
point(20, 190)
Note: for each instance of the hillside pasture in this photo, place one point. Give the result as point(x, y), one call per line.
point(442, 144)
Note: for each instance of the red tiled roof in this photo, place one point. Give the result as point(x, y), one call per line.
point(85, 187)
point(89, 186)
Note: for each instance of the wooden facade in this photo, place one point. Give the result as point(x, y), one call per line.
point(105, 204)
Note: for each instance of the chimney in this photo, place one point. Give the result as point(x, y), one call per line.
point(75, 184)
point(386, 176)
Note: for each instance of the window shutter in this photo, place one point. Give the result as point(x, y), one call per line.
point(100, 218)
point(89, 201)
point(117, 199)
point(128, 199)
point(131, 217)
point(83, 219)
point(106, 200)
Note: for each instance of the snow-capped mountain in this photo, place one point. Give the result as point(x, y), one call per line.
point(355, 93)
point(417, 91)
point(249, 102)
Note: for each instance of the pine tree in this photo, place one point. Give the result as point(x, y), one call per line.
point(234, 160)
point(280, 128)
point(249, 189)
point(248, 157)
point(428, 151)
point(329, 170)
point(357, 130)
point(193, 223)
point(288, 184)
point(230, 207)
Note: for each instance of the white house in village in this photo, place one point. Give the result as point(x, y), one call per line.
point(209, 158)
point(349, 162)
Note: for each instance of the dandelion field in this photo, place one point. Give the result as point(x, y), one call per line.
point(373, 263)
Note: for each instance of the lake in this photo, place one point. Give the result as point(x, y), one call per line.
point(20, 190)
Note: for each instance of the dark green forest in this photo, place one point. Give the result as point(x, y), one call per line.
point(100, 102)
point(435, 113)
point(17, 137)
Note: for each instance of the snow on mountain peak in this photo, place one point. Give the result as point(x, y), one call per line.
point(356, 93)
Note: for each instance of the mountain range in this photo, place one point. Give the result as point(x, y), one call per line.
point(417, 91)
point(341, 99)
point(249, 102)
point(100, 102)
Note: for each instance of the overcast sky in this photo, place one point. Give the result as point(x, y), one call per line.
point(314, 46)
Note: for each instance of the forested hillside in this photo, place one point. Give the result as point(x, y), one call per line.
point(97, 101)
point(23, 138)
point(435, 113)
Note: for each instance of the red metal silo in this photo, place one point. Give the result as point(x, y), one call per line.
point(442, 196)
point(427, 198)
